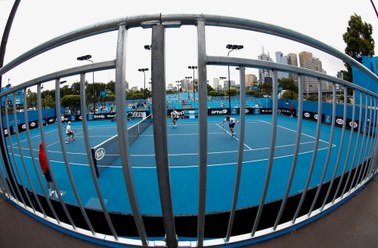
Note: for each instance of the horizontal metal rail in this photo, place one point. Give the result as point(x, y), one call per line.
point(353, 176)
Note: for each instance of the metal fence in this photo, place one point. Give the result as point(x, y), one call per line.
point(16, 184)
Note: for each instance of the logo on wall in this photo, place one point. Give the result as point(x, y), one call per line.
point(353, 124)
point(339, 121)
point(219, 112)
point(307, 115)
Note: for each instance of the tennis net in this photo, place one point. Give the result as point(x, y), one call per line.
point(107, 152)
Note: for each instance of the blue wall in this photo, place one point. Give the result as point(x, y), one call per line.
point(363, 80)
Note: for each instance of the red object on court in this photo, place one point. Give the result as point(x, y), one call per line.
point(42, 158)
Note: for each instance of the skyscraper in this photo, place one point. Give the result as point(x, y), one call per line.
point(292, 59)
point(311, 85)
point(282, 59)
point(250, 79)
point(264, 74)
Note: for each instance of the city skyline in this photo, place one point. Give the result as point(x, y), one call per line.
point(180, 43)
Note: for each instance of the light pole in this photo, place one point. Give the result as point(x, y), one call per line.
point(232, 48)
point(193, 67)
point(188, 78)
point(144, 77)
point(88, 58)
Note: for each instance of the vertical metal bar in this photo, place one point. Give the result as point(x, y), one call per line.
point(33, 159)
point(363, 162)
point(7, 189)
point(360, 161)
point(3, 149)
point(123, 138)
point(354, 152)
point(64, 154)
point(329, 151)
point(271, 153)
point(367, 158)
point(89, 156)
point(202, 130)
point(336, 165)
point(4, 189)
point(21, 153)
point(349, 146)
point(240, 153)
point(160, 131)
point(3, 185)
point(373, 156)
point(5, 156)
point(373, 166)
point(14, 165)
point(43, 140)
point(314, 154)
point(296, 150)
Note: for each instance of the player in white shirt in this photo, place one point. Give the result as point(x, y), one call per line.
point(70, 133)
point(231, 124)
point(175, 116)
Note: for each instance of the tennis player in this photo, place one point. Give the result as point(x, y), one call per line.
point(231, 124)
point(70, 133)
point(175, 116)
point(46, 171)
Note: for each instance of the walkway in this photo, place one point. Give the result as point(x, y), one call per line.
point(355, 224)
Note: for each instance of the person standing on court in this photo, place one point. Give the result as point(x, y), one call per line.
point(175, 117)
point(45, 170)
point(291, 110)
point(231, 124)
point(70, 133)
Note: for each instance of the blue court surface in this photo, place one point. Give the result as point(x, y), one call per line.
point(183, 161)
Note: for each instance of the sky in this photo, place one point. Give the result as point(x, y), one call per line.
point(38, 21)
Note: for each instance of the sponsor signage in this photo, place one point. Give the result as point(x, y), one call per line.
point(339, 121)
point(217, 112)
point(266, 111)
point(312, 116)
point(248, 111)
point(288, 112)
point(32, 125)
point(110, 116)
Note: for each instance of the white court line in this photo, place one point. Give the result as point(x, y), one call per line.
point(221, 127)
point(196, 154)
point(294, 131)
point(248, 162)
point(181, 134)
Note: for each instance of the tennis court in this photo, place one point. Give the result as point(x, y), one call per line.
point(183, 162)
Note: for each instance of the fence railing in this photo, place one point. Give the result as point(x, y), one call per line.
point(22, 184)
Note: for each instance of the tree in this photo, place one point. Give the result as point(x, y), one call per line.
point(71, 101)
point(289, 94)
point(31, 99)
point(359, 41)
point(288, 84)
point(48, 101)
point(267, 88)
point(232, 92)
